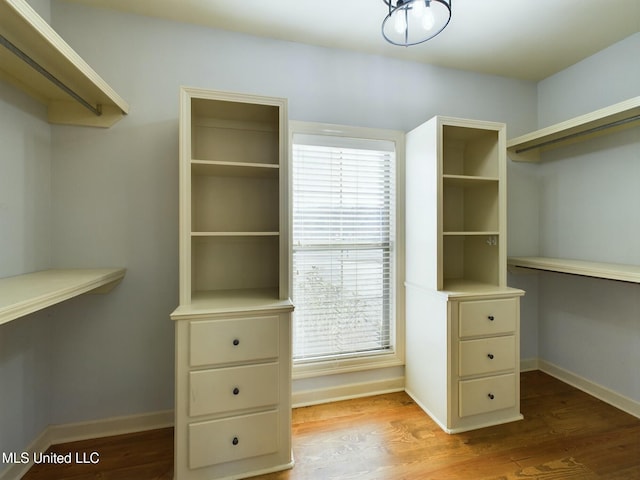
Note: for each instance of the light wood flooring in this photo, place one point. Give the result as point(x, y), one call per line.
point(566, 435)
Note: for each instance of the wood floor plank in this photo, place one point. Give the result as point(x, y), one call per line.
point(565, 435)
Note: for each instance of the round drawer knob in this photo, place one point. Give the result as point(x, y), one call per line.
point(236, 342)
point(490, 356)
point(491, 318)
point(491, 396)
point(236, 391)
point(235, 441)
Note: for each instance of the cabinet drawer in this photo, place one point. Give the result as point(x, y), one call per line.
point(487, 355)
point(487, 394)
point(228, 341)
point(487, 317)
point(230, 439)
point(235, 388)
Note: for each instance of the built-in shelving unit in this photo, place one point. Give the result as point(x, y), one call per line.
point(233, 324)
point(462, 320)
point(21, 295)
point(34, 58)
point(610, 271)
point(527, 148)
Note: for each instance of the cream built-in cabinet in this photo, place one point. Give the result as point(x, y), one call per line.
point(462, 357)
point(233, 325)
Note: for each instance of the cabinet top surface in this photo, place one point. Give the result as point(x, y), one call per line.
point(222, 302)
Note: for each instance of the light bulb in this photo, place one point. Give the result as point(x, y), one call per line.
point(428, 20)
point(400, 23)
point(418, 8)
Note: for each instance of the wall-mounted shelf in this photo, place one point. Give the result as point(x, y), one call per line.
point(527, 148)
point(24, 294)
point(610, 271)
point(34, 58)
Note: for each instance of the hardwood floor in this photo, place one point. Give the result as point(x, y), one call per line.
point(566, 434)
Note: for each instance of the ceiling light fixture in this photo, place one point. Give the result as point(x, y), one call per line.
point(411, 22)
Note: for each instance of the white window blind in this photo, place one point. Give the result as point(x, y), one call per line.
point(343, 235)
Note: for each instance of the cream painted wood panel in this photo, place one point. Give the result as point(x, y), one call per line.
point(488, 317)
point(484, 395)
point(230, 439)
point(233, 341)
point(487, 355)
point(21, 295)
point(233, 324)
point(233, 389)
point(611, 271)
point(462, 324)
point(527, 148)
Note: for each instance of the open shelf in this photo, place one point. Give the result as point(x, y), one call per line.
point(24, 294)
point(208, 302)
point(610, 271)
point(233, 169)
point(526, 148)
point(34, 58)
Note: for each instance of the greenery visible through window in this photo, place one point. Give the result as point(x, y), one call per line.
point(343, 246)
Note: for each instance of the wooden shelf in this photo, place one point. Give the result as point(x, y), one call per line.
point(526, 148)
point(610, 271)
point(23, 30)
point(24, 294)
point(475, 233)
point(233, 169)
point(467, 180)
point(205, 303)
point(235, 234)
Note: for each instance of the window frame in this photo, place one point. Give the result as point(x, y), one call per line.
point(376, 360)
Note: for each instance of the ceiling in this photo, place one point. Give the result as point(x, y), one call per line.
point(527, 39)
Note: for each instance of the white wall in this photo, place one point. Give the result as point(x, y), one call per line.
point(589, 210)
point(114, 193)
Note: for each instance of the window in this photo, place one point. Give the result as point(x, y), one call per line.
point(344, 244)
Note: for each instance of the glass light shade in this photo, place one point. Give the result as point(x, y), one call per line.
point(411, 22)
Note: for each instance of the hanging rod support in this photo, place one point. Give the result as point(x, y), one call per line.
point(579, 134)
point(45, 73)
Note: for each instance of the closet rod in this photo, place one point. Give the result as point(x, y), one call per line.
point(97, 110)
point(617, 123)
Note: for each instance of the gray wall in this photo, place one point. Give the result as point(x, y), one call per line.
point(590, 210)
point(81, 197)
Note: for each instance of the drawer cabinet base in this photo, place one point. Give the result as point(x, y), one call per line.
point(463, 357)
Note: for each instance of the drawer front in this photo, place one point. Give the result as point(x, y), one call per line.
point(235, 388)
point(488, 317)
point(231, 439)
point(487, 355)
point(228, 341)
point(487, 394)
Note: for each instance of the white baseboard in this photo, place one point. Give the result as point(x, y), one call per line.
point(529, 365)
point(72, 432)
point(605, 394)
point(345, 392)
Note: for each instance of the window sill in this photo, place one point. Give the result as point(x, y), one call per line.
point(346, 365)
